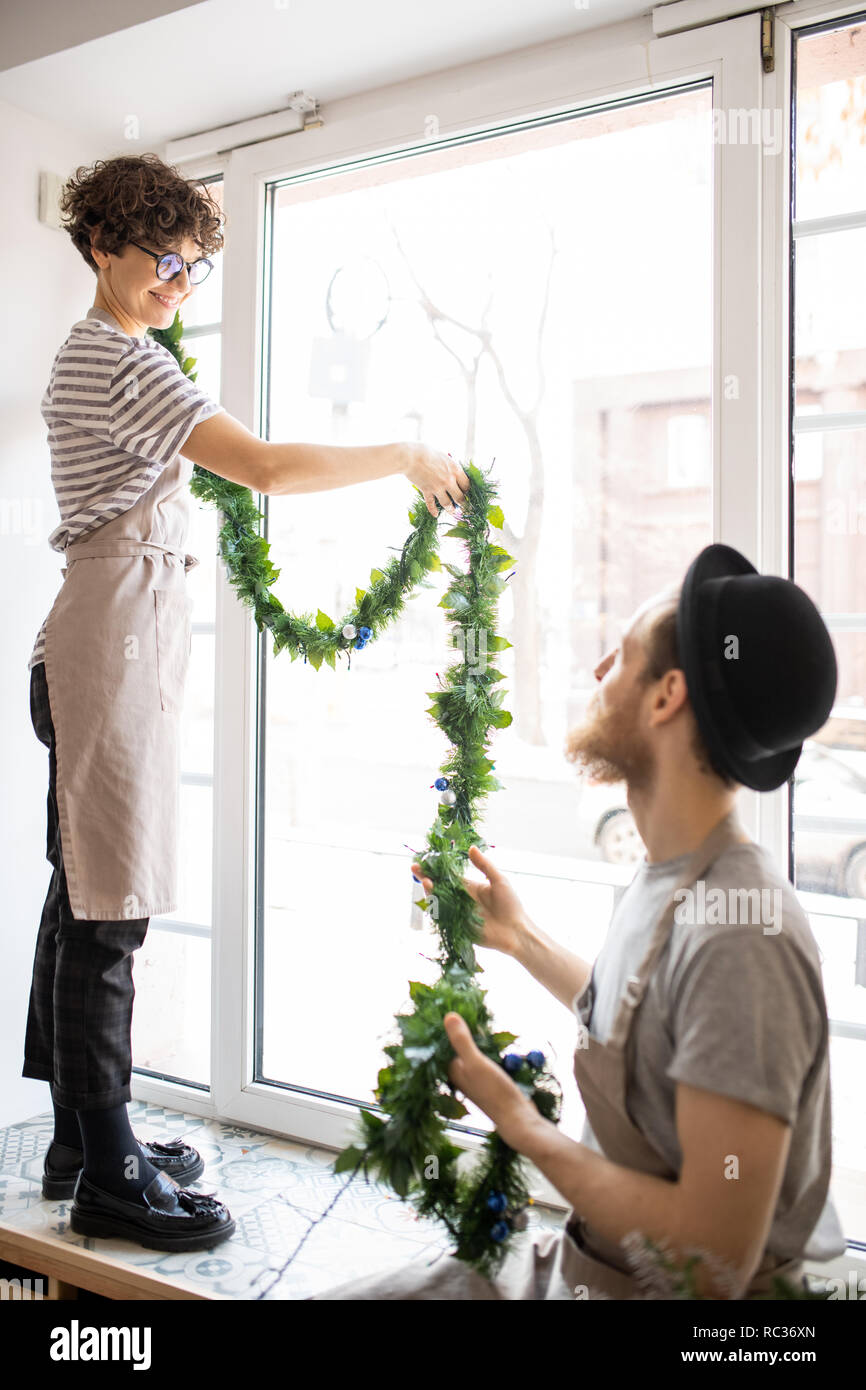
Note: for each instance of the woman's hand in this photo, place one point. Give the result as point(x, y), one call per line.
point(500, 908)
point(438, 476)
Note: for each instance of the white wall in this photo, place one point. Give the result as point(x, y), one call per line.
point(45, 287)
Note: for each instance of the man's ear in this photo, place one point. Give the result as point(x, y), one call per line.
point(670, 697)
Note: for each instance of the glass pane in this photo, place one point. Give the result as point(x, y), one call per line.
point(196, 850)
point(374, 897)
point(830, 796)
point(205, 303)
point(197, 729)
point(849, 1140)
point(206, 350)
point(528, 237)
point(202, 543)
point(830, 116)
point(830, 330)
point(830, 512)
point(829, 504)
point(171, 1013)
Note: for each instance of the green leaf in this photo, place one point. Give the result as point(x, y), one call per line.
point(500, 718)
point(497, 644)
point(323, 622)
point(451, 1107)
point(347, 1159)
point(371, 1121)
point(400, 1174)
point(435, 562)
point(315, 659)
point(461, 531)
point(360, 595)
point(376, 576)
point(495, 517)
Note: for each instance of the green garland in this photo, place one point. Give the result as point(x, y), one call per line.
point(245, 553)
point(409, 1150)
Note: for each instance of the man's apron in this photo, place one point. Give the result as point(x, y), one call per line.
point(117, 648)
point(578, 1262)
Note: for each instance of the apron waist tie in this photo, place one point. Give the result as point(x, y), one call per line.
point(83, 550)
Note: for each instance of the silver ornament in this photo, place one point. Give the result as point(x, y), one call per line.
point(520, 1221)
point(350, 631)
point(448, 798)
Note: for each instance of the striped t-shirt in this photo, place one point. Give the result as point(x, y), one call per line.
point(118, 410)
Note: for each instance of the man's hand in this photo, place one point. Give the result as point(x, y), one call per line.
point(488, 1085)
point(501, 911)
point(437, 475)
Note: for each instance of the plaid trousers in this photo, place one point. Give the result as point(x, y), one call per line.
point(79, 1021)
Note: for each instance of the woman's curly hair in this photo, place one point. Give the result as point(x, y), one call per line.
point(138, 198)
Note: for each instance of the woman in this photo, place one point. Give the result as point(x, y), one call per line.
point(109, 665)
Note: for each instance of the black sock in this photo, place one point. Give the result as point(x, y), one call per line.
point(112, 1156)
point(67, 1130)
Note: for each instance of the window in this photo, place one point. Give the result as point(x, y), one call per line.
point(382, 287)
point(658, 422)
point(829, 552)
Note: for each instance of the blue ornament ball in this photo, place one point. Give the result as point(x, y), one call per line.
point(513, 1061)
point(441, 783)
point(500, 1231)
point(535, 1059)
point(497, 1201)
point(366, 632)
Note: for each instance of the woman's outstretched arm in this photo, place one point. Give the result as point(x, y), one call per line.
point(224, 446)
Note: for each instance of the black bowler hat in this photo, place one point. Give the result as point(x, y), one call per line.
point(753, 708)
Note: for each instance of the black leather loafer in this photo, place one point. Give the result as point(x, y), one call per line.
point(62, 1165)
point(165, 1217)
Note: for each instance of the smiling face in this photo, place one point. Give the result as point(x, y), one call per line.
point(612, 744)
point(131, 290)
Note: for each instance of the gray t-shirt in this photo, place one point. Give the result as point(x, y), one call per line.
point(734, 1006)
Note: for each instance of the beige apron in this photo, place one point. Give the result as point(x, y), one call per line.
point(579, 1263)
point(117, 647)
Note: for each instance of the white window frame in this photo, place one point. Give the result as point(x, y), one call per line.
point(750, 444)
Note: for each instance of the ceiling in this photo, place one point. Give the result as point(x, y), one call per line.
point(209, 64)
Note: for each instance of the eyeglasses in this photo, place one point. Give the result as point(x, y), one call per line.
point(169, 265)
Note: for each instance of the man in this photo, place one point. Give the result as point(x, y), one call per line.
point(702, 1052)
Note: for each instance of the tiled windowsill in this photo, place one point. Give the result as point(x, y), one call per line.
point(273, 1187)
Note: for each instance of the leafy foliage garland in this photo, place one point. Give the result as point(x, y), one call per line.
point(247, 559)
point(409, 1150)
point(406, 1145)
